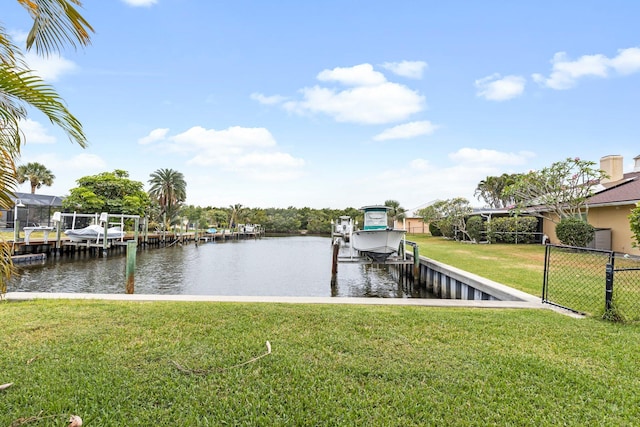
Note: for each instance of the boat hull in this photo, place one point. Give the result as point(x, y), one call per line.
point(343, 228)
point(377, 244)
point(93, 232)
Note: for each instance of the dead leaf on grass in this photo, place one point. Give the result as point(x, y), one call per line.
point(75, 421)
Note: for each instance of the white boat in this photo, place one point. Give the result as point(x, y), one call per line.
point(377, 240)
point(343, 228)
point(93, 232)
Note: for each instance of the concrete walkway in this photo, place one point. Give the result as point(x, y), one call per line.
point(434, 302)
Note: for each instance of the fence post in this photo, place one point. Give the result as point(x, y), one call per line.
point(545, 279)
point(608, 296)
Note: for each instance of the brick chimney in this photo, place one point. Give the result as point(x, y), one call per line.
point(612, 165)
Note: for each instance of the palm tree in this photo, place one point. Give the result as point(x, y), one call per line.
point(56, 24)
point(489, 190)
point(396, 213)
point(169, 190)
point(37, 174)
point(235, 212)
point(492, 190)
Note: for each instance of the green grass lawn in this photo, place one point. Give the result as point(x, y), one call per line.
point(518, 266)
point(577, 280)
point(113, 364)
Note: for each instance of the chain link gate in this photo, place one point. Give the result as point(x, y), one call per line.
point(592, 281)
point(574, 278)
point(622, 300)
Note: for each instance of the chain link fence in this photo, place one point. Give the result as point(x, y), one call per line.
point(592, 281)
point(623, 288)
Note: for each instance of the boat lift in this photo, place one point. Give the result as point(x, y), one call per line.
point(101, 218)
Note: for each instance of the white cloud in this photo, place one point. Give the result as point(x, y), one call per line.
point(370, 99)
point(276, 159)
point(140, 3)
point(252, 152)
point(409, 69)
point(627, 61)
point(442, 179)
point(268, 100)
point(498, 88)
point(210, 140)
point(35, 133)
point(566, 73)
point(419, 164)
point(489, 157)
point(78, 163)
point(358, 75)
point(154, 136)
point(407, 130)
point(85, 161)
point(275, 166)
point(49, 68)
point(384, 103)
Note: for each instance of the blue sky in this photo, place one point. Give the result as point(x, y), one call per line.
point(340, 103)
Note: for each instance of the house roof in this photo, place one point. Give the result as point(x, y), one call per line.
point(413, 213)
point(37, 199)
point(623, 192)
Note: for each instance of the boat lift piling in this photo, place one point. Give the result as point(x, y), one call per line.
point(416, 260)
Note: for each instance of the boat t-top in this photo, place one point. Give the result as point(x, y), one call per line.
point(377, 240)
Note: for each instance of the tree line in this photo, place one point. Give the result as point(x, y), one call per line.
point(557, 193)
point(164, 205)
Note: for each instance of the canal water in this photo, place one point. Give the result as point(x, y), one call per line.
point(269, 266)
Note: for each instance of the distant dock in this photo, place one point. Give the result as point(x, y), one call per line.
point(39, 248)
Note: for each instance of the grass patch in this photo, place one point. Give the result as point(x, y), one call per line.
point(518, 266)
point(111, 363)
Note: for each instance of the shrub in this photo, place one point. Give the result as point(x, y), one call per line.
point(575, 232)
point(475, 228)
point(447, 229)
point(434, 229)
point(512, 230)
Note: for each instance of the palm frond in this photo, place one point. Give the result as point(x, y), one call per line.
point(9, 52)
point(7, 268)
point(20, 85)
point(10, 142)
point(56, 23)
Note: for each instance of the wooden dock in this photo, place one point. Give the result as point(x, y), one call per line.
point(64, 246)
point(28, 258)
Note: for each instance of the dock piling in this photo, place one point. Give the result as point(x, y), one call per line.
point(131, 266)
point(334, 262)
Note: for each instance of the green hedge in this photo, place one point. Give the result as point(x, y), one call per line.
point(575, 232)
point(512, 230)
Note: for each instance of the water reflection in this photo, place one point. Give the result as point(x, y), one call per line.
point(271, 266)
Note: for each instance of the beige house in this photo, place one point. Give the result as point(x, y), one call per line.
point(414, 223)
point(610, 207)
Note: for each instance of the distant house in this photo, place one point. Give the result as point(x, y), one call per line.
point(32, 209)
point(609, 208)
point(414, 223)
